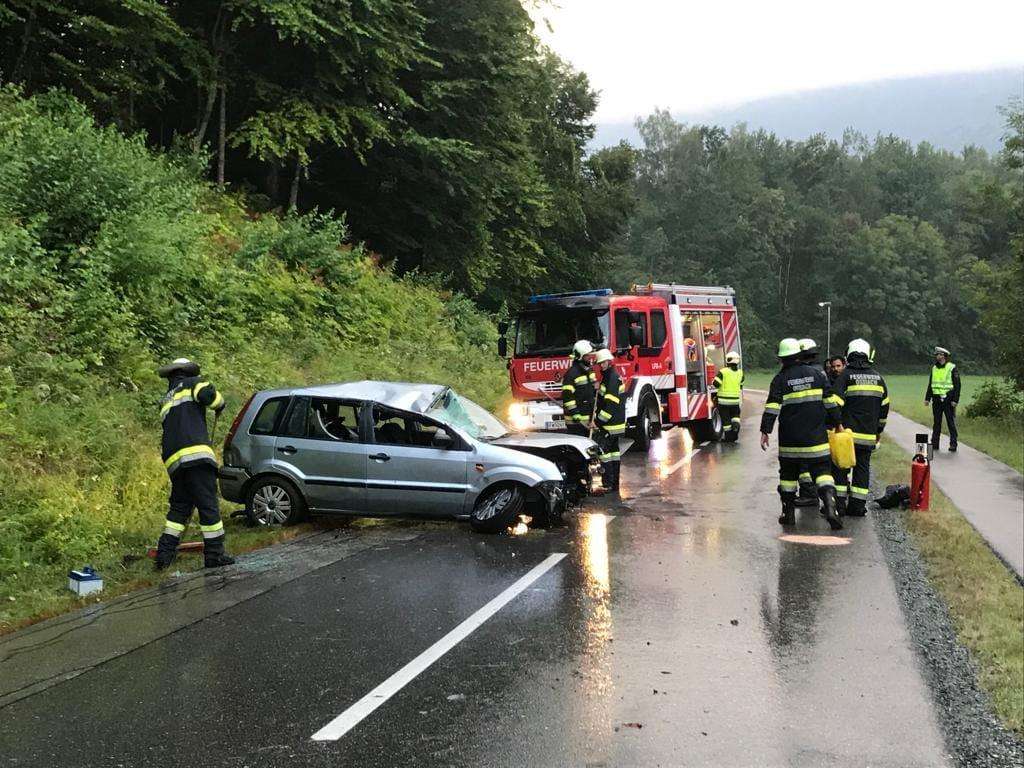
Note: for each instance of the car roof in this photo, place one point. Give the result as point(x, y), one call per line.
point(405, 396)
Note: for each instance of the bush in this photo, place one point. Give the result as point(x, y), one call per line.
point(997, 399)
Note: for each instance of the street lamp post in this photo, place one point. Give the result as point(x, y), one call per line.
point(828, 327)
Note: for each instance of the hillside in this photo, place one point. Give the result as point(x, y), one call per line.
point(949, 111)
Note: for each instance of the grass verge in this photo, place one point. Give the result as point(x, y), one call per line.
point(985, 599)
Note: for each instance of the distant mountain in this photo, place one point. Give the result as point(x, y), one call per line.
point(948, 111)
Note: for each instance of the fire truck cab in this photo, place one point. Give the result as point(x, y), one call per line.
point(669, 342)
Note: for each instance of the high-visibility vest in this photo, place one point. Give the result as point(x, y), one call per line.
point(942, 379)
point(730, 391)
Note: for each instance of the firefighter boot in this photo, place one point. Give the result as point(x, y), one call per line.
point(166, 551)
point(828, 501)
point(613, 477)
point(788, 516)
point(213, 554)
point(857, 508)
point(841, 505)
point(808, 495)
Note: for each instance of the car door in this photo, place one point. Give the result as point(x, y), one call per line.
point(407, 472)
point(321, 444)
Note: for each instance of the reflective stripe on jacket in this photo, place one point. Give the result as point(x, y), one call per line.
point(864, 398)
point(611, 403)
point(186, 440)
point(729, 386)
point(578, 389)
point(800, 397)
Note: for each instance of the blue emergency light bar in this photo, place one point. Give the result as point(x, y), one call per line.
point(570, 295)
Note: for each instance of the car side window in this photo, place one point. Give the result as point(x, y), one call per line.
point(270, 413)
point(398, 428)
point(659, 331)
point(321, 418)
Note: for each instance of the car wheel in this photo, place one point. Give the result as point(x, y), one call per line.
point(648, 422)
point(497, 509)
point(708, 430)
point(275, 501)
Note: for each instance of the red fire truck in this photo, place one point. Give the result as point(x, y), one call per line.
point(669, 342)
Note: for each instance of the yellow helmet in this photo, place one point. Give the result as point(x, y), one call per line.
point(789, 347)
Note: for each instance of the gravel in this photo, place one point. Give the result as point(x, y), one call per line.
point(974, 736)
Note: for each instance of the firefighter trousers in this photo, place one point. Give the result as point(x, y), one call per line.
point(856, 480)
point(577, 428)
point(730, 422)
point(941, 406)
point(194, 488)
point(610, 456)
point(789, 474)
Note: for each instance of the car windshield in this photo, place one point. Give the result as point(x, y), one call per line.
point(554, 331)
point(458, 411)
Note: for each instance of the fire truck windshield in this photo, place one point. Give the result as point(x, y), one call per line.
point(553, 331)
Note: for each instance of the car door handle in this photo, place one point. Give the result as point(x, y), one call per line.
point(289, 449)
point(380, 457)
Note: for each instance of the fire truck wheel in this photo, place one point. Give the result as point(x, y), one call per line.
point(497, 508)
point(648, 422)
point(708, 430)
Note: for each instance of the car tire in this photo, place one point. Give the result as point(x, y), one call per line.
point(708, 430)
point(497, 509)
point(274, 501)
point(648, 422)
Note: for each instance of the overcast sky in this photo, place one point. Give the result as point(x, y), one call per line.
point(691, 56)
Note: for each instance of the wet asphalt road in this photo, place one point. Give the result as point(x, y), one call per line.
point(678, 630)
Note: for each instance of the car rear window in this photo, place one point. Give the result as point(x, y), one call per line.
point(267, 418)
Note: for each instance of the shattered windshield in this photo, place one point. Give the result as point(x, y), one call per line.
point(554, 331)
point(458, 411)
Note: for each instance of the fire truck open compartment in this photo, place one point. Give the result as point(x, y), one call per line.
point(669, 341)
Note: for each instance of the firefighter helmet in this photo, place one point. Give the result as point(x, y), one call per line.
point(808, 345)
point(732, 357)
point(859, 347)
point(181, 365)
point(789, 348)
point(603, 356)
point(582, 348)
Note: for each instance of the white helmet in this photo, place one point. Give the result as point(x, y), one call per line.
point(582, 348)
point(859, 347)
point(603, 356)
point(807, 345)
point(733, 357)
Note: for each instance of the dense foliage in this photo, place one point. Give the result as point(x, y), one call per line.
point(913, 246)
point(452, 139)
point(113, 259)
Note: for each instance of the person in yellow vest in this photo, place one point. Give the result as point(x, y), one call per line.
point(729, 396)
point(943, 393)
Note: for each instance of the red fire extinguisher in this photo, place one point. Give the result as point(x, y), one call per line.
point(920, 482)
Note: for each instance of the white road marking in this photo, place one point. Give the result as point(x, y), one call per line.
point(683, 461)
point(355, 714)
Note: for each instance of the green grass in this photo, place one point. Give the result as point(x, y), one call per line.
point(1002, 439)
point(985, 600)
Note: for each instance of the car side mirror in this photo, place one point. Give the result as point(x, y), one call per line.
point(503, 347)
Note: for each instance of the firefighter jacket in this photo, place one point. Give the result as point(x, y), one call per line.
point(863, 398)
point(944, 382)
point(611, 402)
point(186, 441)
point(729, 386)
point(800, 398)
point(578, 389)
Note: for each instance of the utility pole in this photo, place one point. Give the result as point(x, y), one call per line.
point(828, 327)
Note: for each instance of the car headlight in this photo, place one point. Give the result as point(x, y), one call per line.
point(519, 417)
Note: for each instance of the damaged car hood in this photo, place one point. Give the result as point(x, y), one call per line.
point(543, 441)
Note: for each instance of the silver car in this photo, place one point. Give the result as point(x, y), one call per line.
point(382, 448)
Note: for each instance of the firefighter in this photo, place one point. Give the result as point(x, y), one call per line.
point(190, 462)
point(578, 387)
point(835, 366)
point(729, 396)
point(861, 394)
point(943, 393)
point(611, 417)
point(808, 495)
point(801, 399)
